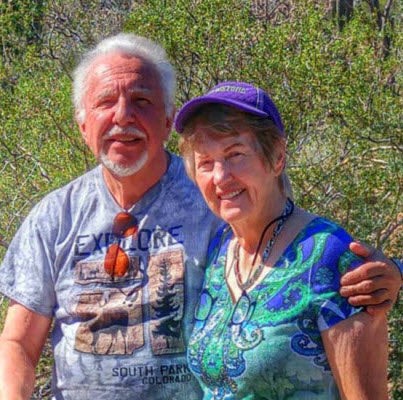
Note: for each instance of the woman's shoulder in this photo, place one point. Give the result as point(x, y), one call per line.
point(321, 241)
point(309, 225)
point(328, 243)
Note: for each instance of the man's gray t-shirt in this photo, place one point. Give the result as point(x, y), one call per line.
point(122, 303)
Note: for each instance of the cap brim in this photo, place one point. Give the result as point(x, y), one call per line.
point(193, 105)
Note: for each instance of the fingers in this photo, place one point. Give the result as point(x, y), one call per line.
point(362, 249)
point(370, 253)
point(378, 293)
point(380, 308)
point(364, 287)
point(375, 284)
point(367, 270)
point(371, 299)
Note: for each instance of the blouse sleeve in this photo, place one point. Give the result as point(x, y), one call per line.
point(336, 260)
point(215, 244)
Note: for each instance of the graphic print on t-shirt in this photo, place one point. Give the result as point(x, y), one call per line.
point(166, 273)
point(113, 318)
point(114, 322)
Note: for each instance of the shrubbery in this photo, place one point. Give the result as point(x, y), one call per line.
point(339, 93)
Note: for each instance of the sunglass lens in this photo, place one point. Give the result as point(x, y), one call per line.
point(116, 261)
point(241, 310)
point(125, 224)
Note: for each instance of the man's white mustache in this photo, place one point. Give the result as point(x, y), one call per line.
point(116, 130)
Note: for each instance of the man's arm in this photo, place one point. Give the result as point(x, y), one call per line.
point(374, 284)
point(357, 352)
point(21, 344)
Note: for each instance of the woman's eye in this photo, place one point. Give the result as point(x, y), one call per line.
point(204, 164)
point(235, 155)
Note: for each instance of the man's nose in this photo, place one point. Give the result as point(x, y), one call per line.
point(221, 172)
point(124, 112)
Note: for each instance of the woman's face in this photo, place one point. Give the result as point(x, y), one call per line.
point(234, 180)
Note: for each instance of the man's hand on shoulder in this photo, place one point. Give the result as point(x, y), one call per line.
point(375, 284)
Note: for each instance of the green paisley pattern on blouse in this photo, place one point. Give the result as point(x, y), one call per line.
point(268, 345)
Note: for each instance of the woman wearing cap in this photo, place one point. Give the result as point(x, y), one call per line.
point(270, 323)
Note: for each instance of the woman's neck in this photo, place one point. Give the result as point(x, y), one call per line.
point(248, 232)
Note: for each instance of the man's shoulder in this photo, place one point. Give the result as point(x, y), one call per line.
point(178, 178)
point(181, 189)
point(181, 195)
point(176, 169)
point(77, 188)
point(85, 181)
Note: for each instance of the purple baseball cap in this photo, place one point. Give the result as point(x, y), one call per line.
point(241, 95)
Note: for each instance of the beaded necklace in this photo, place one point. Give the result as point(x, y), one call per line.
point(252, 278)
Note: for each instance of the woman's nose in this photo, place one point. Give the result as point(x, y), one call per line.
point(221, 172)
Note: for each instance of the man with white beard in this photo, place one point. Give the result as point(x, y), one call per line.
point(118, 169)
point(115, 258)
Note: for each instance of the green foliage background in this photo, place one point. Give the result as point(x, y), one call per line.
point(339, 92)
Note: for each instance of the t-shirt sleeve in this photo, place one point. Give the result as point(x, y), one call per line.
point(336, 260)
point(215, 244)
point(26, 271)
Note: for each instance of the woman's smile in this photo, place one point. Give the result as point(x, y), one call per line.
point(230, 195)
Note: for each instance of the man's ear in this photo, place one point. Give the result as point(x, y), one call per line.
point(169, 122)
point(80, 119)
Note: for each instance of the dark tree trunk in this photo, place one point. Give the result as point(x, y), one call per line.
point(342, 10)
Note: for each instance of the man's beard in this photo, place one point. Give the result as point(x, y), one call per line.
point(119, 169)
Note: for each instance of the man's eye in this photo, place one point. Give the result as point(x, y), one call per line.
point(141, 101)
point(104, 102)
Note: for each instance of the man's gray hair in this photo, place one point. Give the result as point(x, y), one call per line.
point(128, 44)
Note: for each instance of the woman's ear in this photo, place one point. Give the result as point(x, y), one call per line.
point(280, 158)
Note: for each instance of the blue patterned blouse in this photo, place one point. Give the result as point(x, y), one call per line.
point(268, 345)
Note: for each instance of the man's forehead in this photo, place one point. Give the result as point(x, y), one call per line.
point(120, 65)
point(114, 66)
point(135, 88)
